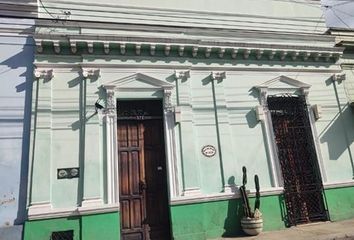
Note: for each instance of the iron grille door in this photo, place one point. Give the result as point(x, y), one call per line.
point(303, 189)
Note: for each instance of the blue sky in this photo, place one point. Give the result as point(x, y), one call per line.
point(339, 13)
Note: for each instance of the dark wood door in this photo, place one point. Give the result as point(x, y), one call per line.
point(143, 181)
point(303, 189)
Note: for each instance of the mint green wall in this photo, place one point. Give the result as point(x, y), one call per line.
point(91, 227)
point(340, 203)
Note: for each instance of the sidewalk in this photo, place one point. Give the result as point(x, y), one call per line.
point(319, 231)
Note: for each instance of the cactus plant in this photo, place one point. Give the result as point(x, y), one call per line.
point(245, 201)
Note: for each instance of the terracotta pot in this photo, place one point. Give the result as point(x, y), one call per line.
point(252, 226)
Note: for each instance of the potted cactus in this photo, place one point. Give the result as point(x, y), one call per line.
point(252, 222)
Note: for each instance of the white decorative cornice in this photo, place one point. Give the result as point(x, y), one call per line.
point(182, 74)
point(43, 73)
point(202, 49)
point(218, 76)
point(90, 72)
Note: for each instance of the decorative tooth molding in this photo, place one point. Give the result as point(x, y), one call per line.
point(234, 53)
point(137, 49)
point(182, 74)
point(90, 47)
point(73, 46)
point(328, 57)
point(180, 51)
point(167, 50)
point(43, 73)
point(246, 53)
point(316, 56)
point(294, 55)
point(283, 55)
point(207, 52)
point(259, 53)
point(221, 52)
point(219, 76)
point(122, 48)
point(195, 51)
point(90, 72)
point(56, 46)
point(152, 49)
point(106, 47)
point(39, 45)
point(306, 56)
point(272, 54)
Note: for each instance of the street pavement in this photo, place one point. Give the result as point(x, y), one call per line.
point(342, 230)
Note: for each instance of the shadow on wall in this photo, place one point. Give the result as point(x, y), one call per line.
point(23, 59)
point(336, 134)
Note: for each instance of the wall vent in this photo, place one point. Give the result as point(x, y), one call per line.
point(63, 235)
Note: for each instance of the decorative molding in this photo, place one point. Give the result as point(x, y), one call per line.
point(180, 51)
point(39, 45)
point(221, 52)
point(192, 192)
point(73, 46)
point(122, 48)
point(90, 47)
point(48, 212)
point(106, 47)
point(43, 73)
point(234, 53)
point(152, 50)
point(168, 107)
point(218, 76)
point(56, 46)
point(338, 77)
point(331, 185)
point(90, 72)
point(167, 50)
point(195, 51)
point(283, 55)
point(221, 196)
point(92, 202)
point(207, 52)
point(246, 53)
point(259, 53)
point(182, 74)
point(137, 49)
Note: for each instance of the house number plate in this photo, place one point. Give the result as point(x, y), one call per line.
point(209, 150)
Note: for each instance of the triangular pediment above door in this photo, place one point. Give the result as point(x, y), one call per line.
point(283, 82)
point(139, 81)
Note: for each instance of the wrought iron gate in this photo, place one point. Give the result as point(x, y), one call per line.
point(303, 189)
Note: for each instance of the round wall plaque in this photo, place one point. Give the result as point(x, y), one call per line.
point(209, 150)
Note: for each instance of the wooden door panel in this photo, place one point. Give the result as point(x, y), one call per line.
point(142, 174)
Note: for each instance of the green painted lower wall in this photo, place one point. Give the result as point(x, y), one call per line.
point(198, 221)
point(340, 203)
point(91, 227)
point(222, 218)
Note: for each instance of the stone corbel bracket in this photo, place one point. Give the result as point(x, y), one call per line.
point(43, 73)
point(90, 72)
point(182, 74)
point(339, 77)
point(218, 76)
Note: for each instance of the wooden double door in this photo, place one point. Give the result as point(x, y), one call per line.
point(142, 171)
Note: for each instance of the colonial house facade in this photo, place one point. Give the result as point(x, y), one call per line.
point(143, 115)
